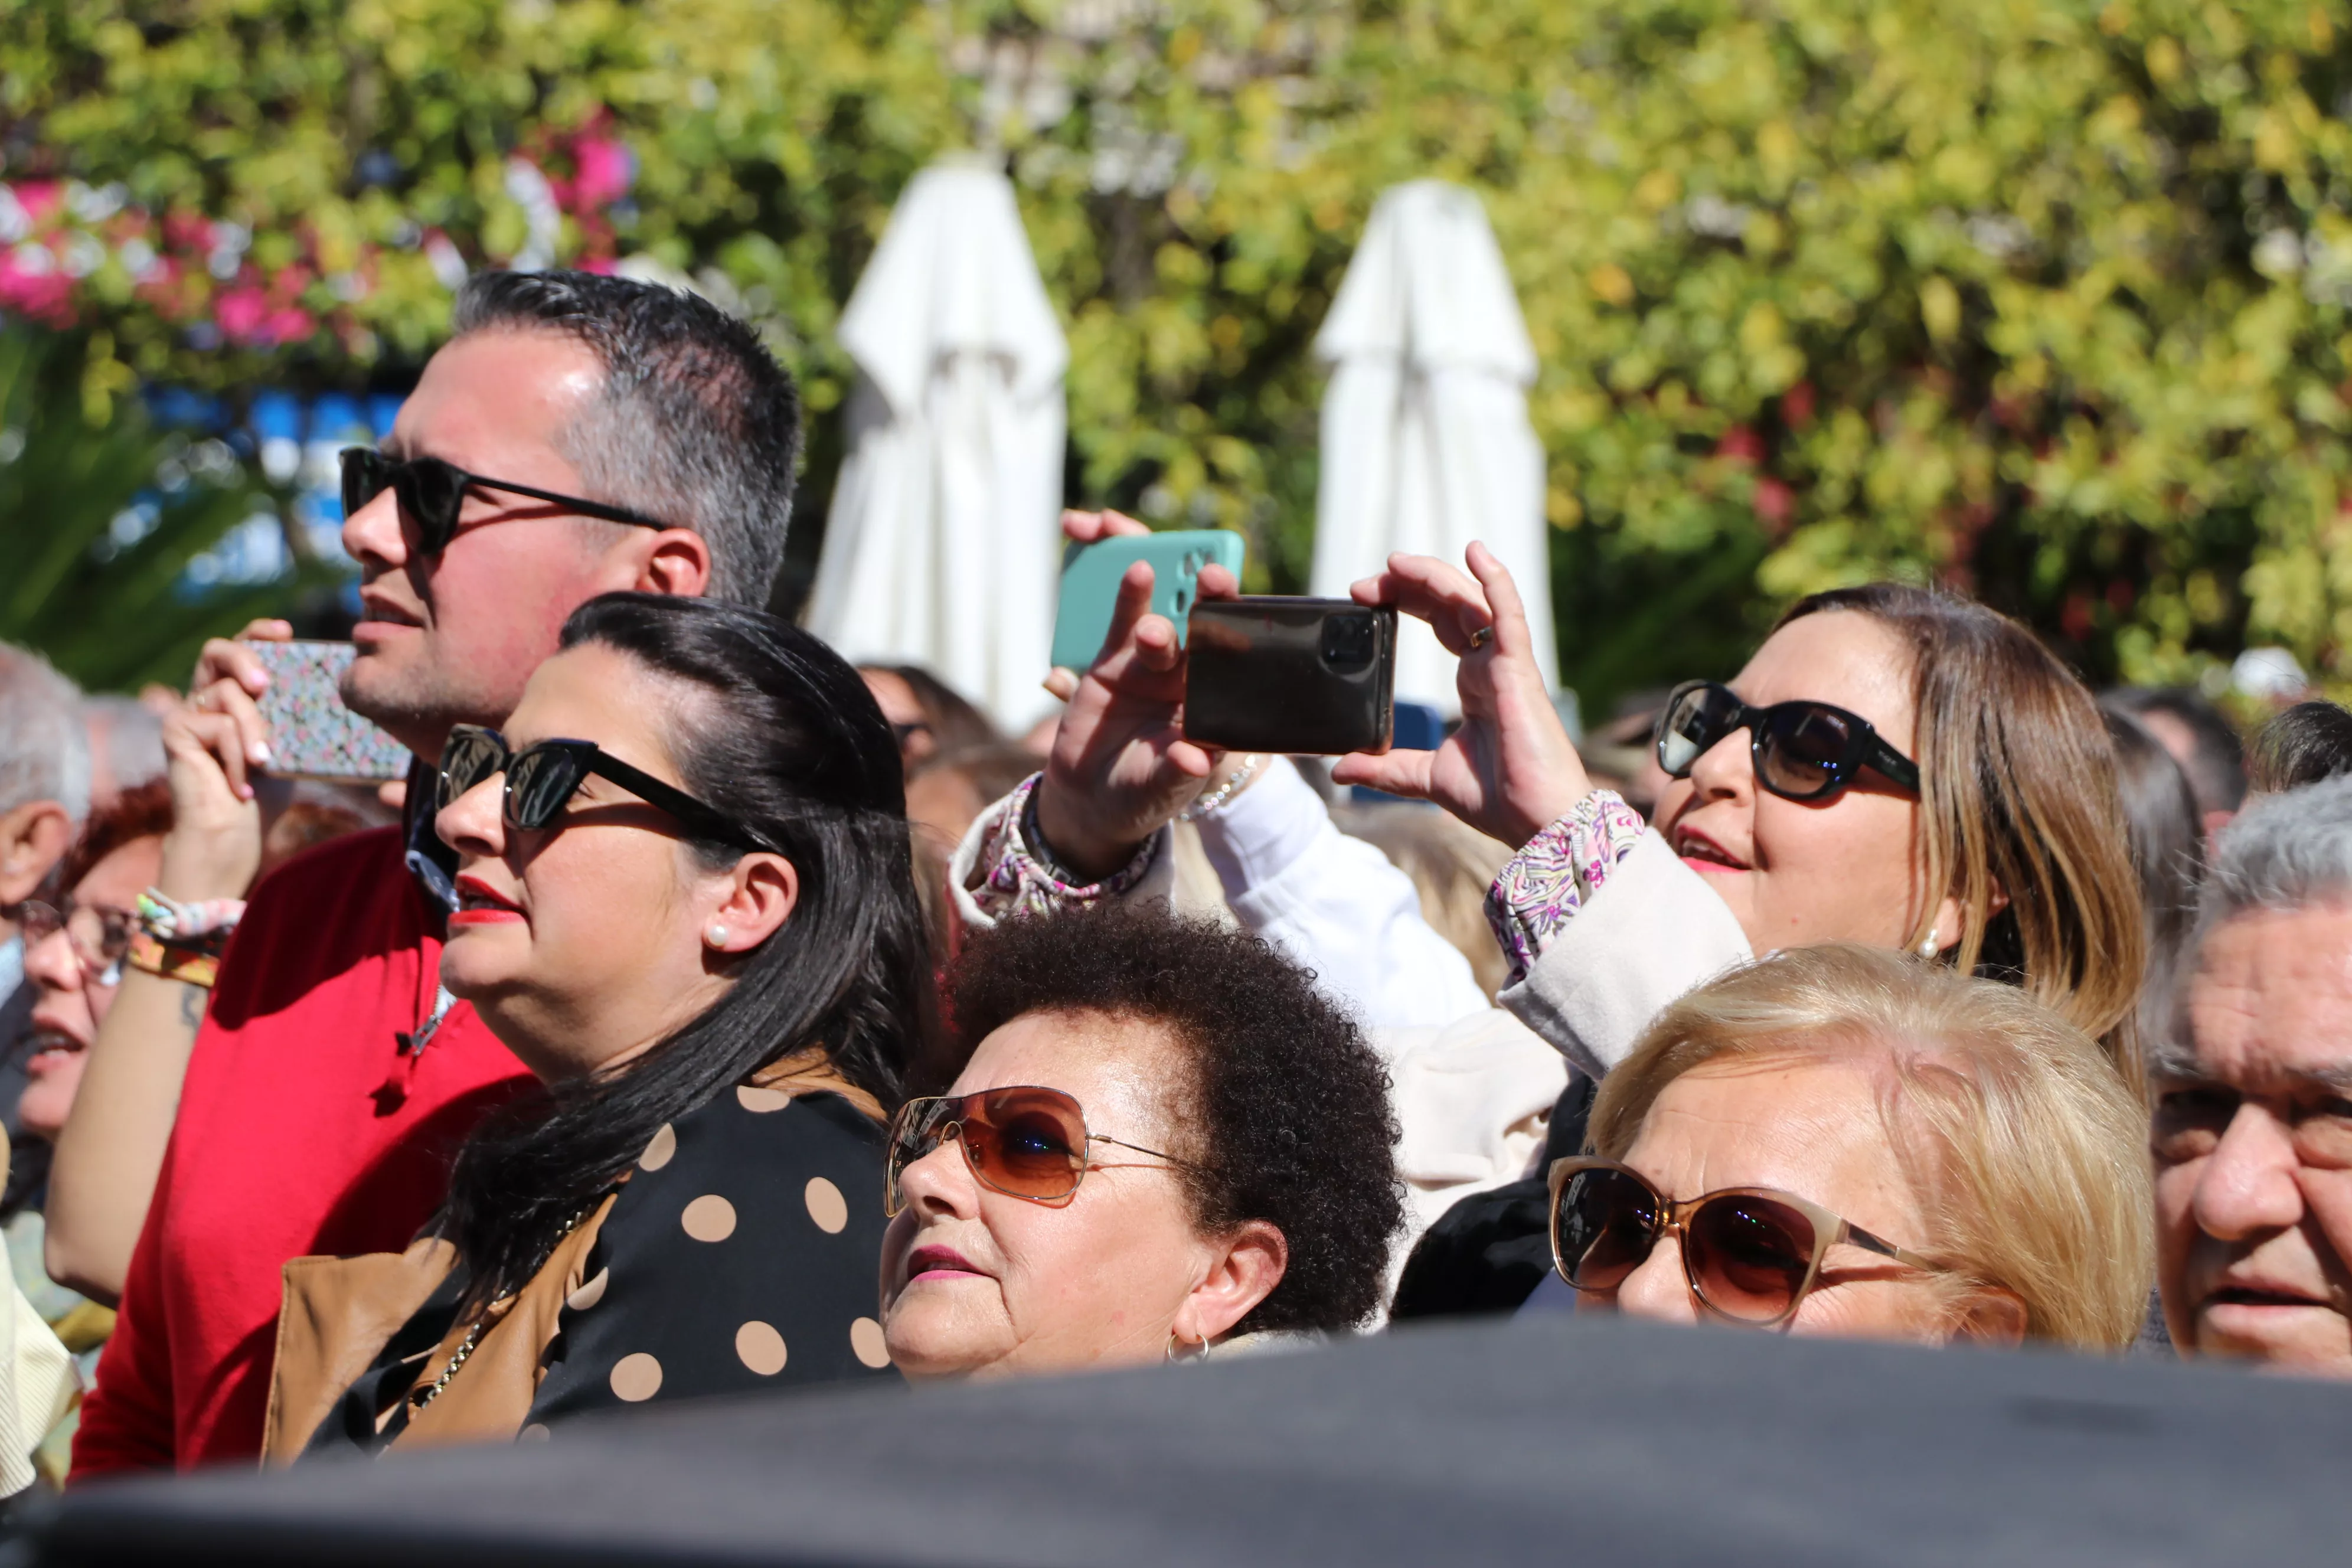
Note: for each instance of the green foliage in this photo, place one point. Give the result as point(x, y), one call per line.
point(99, 521)
point(2046, 297)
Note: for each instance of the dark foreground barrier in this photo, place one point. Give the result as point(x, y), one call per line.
point(1564, 1441)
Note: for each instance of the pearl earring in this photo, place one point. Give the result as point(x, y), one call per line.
point(1930, 947)
point(716, 936)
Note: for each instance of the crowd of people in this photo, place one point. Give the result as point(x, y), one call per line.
point(702, 1014)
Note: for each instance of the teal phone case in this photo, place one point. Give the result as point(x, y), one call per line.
point(1090, 574)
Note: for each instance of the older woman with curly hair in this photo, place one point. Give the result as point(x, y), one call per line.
point(1167, 1142)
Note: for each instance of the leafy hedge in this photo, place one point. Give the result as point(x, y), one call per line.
point(2044, 298)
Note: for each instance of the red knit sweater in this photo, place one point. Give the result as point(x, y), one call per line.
point(304, 1128)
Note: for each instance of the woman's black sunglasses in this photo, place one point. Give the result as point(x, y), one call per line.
point(1802, 751)
point(432, 493)
point(541, 778)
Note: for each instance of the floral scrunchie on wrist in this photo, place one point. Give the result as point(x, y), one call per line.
point(1016, 872)
point(1544, 884)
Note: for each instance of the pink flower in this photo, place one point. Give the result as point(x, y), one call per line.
point(288, 326)
point(242, 313)
point(1741, 444)
point(1774, 501)
point(46, 294)
point(186, 231)
point(604, 172)
point(39, 198)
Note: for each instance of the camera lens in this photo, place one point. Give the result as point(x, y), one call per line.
point(1348, 640)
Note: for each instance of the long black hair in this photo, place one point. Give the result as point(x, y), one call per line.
point(785, 738)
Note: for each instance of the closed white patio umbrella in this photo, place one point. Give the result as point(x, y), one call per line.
point(943, 544)
point(1426, 444)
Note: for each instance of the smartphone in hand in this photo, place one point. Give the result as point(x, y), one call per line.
point(312, 734)
point(1090, 575)
point(1302, 676)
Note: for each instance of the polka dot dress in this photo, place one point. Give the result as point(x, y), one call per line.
point(740, 1256)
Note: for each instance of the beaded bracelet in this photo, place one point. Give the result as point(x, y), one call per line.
point(1214, 801)
point(182, 941)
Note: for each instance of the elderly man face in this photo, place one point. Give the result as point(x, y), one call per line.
point(2252, 1138)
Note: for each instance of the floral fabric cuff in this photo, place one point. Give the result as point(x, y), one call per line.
point(1016, 872)
point(1543, 886)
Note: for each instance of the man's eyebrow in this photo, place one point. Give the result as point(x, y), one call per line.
point(2336, 1076)
point(2171, 1063)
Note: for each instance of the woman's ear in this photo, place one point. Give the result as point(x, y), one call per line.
point(1950, 915)
point(760, 895)
point(1992, 1316)
point(1246, 1268)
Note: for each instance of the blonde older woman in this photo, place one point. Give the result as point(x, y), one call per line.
point(1841, 1139)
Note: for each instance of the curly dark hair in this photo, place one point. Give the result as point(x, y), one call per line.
point(1287, 1116)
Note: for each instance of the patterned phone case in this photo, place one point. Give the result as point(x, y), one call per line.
point(312, 734)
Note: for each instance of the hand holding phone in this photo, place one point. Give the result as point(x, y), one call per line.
point(1120, 767)
point(1091, 574)
point(1509, 769)
point(312, 734)
point(1301, 676)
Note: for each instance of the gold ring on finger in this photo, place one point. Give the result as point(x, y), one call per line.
point(1481, 637)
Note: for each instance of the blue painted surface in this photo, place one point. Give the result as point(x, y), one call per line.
point(295, 438)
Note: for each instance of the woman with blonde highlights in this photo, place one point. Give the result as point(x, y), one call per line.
point(1851, 1141)
point(1896, 766)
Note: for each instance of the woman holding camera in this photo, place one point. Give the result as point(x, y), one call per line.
point(1895, 766)
point(686, 906)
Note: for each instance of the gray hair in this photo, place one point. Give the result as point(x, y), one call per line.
point(697, 424)
point(2283, 852)
point(134, 738)
point(44, 753)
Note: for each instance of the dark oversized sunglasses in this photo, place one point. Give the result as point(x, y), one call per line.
point(542, 777)
point(1750, 1254)
point(1802, 751)
point(432, 493)
point(1024, 1141)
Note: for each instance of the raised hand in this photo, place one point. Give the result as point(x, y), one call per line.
point(1509, 770)
point(229, 678)
point(1121, 766)
point(214, 849)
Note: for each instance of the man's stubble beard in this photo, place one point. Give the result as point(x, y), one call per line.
point(418, 703)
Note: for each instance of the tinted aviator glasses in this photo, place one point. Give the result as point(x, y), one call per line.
point(1749, 1254)
point(541, 778)
point(1024, 1142)
point(1802, 751)
point(100, 938)
point(432, 493)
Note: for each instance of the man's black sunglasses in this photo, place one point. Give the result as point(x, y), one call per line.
point(432, 493)
point(542, 777)
point(1802, 751)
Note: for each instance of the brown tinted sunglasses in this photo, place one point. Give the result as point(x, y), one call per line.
point(1750, 1254)
point(1024, 1141)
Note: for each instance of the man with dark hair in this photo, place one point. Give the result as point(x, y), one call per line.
point(579, 435)
point(2201, 739)
point(693, 423)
